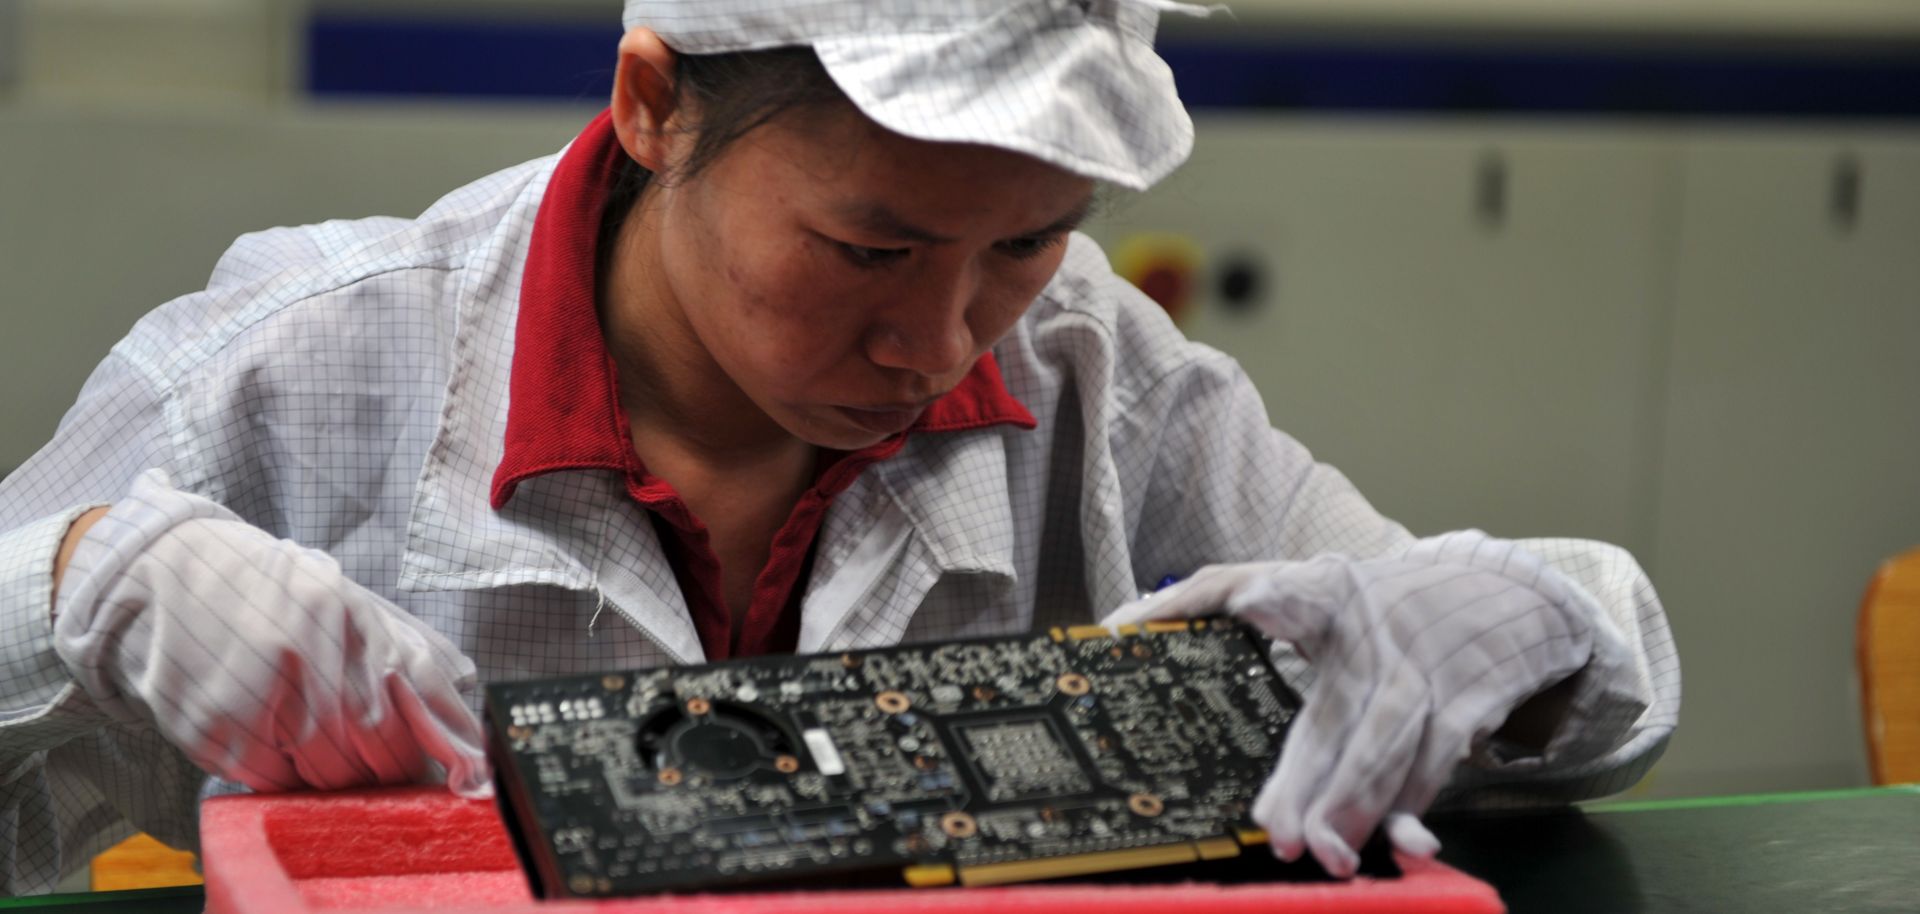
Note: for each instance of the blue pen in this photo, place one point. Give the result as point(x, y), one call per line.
point(1165, 582)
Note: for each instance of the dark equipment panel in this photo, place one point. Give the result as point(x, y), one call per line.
point(975, 762)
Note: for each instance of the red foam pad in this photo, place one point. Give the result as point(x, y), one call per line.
point(385, 834)
point(420, 849)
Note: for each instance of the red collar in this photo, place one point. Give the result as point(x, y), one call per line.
point(564, 409)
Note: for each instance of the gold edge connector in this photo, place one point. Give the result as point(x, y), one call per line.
point(1251, 836)
point(1167, 626)
point(1129, 630)
point(1088, 632)
point(1217, 848)
point(929, 875)
point(1058, 634)
point(1077, 865)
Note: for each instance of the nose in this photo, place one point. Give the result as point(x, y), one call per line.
point(927, 333)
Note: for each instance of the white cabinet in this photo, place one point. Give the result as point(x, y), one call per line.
point(1465, 321)
point(1791, 456)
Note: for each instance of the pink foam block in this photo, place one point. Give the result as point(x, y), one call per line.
point(420, 849)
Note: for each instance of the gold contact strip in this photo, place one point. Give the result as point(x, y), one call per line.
point(1217, 848)
point(1079, 864)
point(929, 875)
point(1088, 632)
point(1251, 836)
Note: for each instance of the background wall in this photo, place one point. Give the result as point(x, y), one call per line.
point(1684, 323)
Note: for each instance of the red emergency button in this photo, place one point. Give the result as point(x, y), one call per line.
point(1163, 266)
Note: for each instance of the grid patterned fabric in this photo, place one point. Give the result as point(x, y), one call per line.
point(1075, 83)
point(344, 385)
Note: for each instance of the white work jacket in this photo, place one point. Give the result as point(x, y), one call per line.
point(345, 386)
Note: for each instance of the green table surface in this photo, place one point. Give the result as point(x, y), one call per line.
point(1833, 851)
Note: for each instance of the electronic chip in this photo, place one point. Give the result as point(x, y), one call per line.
point(1022, 759)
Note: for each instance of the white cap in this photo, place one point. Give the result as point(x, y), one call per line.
point(1075, 83)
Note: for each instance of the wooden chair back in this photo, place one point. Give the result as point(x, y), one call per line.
point(1888, 646)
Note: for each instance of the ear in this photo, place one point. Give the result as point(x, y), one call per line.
point(643, 97)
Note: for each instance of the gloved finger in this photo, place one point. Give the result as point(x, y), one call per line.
point(446, 730)
point(1200, 595)
point(378, 735)
point(1324, 746)
point(1271, 812)
point(1314, 745)
point(302, 668)
point(235, 753)
point(1409, 836)
point(430, 698)
point(322, 748)
point(347, 735)
point(1355, 798)
point(1336, 857)
point(1440, 754)
point(383, 738)
point(1380, 755)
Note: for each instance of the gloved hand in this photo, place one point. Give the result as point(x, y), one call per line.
point(256, 657)
point(1417, 662)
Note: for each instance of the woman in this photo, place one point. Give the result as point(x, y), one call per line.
point(792, 349)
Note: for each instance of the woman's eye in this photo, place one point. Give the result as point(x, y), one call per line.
point(1023, 248)
point(869, 258)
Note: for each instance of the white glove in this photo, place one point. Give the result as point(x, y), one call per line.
point(258, 658)
point(1417, 662)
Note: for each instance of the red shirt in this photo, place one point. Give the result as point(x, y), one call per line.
point(564, 414)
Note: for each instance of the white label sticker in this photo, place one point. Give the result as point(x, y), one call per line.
point(824, 753)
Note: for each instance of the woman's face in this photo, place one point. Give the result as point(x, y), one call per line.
point(843, 277)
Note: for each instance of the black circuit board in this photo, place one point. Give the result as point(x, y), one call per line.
point(979, 762)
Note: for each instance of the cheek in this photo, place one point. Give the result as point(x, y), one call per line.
point(786, 316)
point(999, 312)
point(1004, 302)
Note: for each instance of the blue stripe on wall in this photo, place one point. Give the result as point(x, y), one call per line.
point(363, 55)
point(1583, 81)
point(366, 55)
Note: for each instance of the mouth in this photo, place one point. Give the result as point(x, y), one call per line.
point(885, 418)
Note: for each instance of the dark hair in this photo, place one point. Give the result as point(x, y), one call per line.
point(729, 96)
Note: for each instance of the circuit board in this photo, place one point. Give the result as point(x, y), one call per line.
point(980, 762)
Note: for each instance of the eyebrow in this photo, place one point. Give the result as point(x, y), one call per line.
point(1069, 220)
point(880, 220)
